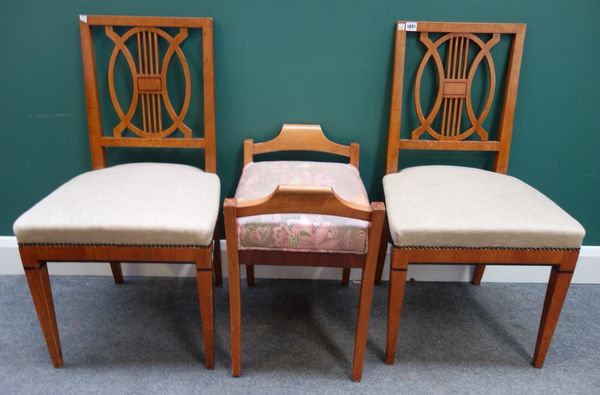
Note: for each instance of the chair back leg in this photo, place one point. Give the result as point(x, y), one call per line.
point(383, 246)
point(117, 272)
point(478, 274)
point(218, 271)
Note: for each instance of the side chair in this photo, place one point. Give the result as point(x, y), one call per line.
point(302, 213)
point(138, 212)
point(462, 215)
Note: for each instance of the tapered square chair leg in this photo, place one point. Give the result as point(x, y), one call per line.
point(558, 286)
point(39, 285)
point(117, 272)
point(204, 280)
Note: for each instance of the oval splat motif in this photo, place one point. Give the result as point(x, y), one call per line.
point(149, 76)
point(455, 78)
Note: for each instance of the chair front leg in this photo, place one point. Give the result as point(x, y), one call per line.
point(204, 281)
point(41, 293)
point(398, 269)
point(558, 286)
point(366, 290)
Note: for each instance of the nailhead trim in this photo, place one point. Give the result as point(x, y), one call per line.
point(486, 248)
point(74, 245)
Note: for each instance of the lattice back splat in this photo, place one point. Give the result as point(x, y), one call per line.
point(452, 123)
point(150, 115)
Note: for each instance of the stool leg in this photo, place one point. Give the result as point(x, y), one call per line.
point(233, 272)
point(362, 323)
point(366, 290)
point(250, 275)
point(346, 276)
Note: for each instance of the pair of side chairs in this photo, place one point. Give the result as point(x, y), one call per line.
point(299, 212)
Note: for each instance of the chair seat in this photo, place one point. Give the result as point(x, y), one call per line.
point(131, 204)
point(302, 232)
point(451, 206)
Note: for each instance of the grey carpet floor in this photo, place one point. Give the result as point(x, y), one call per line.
point(144, 337)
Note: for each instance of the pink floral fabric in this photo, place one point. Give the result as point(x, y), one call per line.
point(302, 232)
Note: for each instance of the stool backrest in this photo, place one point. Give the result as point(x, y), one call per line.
point(299, 137)
point(148, 47)
point(458, 52)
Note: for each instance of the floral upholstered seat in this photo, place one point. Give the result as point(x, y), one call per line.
point(302, 232)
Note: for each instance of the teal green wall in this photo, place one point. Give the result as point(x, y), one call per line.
point(324, 62)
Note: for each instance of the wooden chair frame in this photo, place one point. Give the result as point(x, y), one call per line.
point(35, 256)
point(562, 261)
point(304, 138)
point(309, 200)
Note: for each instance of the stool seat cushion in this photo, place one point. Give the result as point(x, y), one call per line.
point(452, 206)
point(298, 231)
point(131, 204)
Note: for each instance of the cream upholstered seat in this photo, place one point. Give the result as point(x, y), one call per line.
point(452, 206)
point(302, 232)
point(131, 204)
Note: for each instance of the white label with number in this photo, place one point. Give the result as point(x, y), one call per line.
point(401, 26)
point(411, 26)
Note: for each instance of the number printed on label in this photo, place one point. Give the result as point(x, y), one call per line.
point(411, 26)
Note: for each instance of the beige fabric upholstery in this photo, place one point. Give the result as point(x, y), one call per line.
point(133, 204)
point(451, 206)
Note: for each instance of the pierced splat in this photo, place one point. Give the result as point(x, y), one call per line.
point(149, 82)
point(449, 122)
point(454, 86)
point(148, 46)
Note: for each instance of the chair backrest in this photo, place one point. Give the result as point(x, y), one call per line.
point(450, 122)
point(150, 119)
